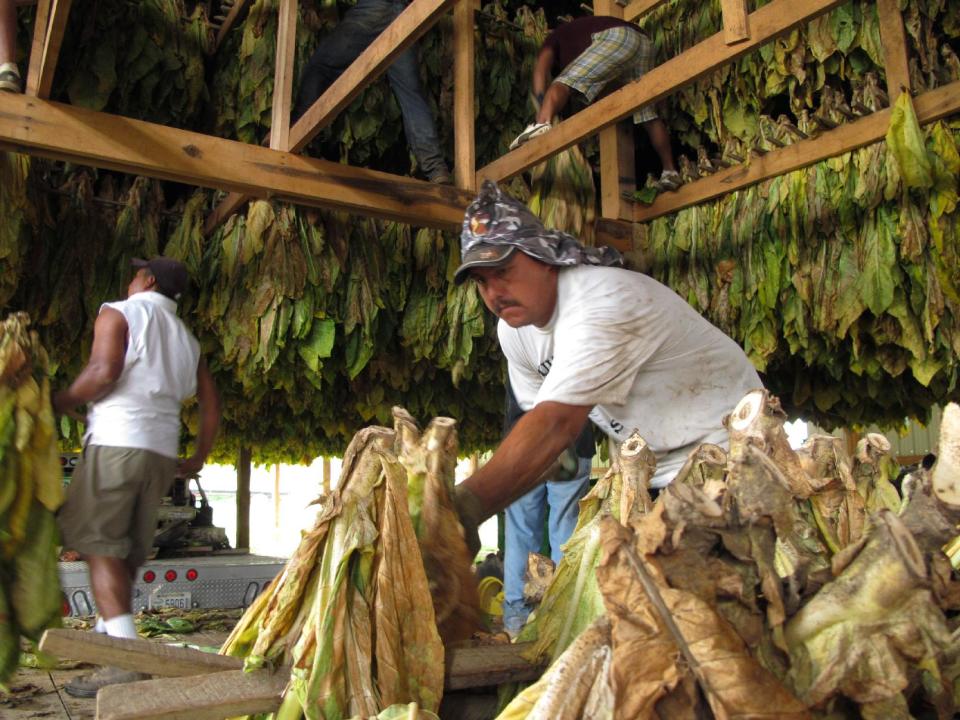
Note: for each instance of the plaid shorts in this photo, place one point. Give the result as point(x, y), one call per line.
point(618, 53)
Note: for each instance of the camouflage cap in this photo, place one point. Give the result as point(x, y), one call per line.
point(496, 224)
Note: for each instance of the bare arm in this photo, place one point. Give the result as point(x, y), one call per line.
point(209, 401)
point(541, 72)
point(104, 367)
point(532, 446)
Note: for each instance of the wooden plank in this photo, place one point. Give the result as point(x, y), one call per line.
point(771, 20)
point(895, 53)
point(617, 165)
point(228, 21)
point(930, 106)
point(201, 697)
point(41, 22)
point(736, 26)
point(40, 75)
point(487, 665)
point(65, 132)
point(409, 26)
point(243, 497)
point(638, 8)
point(615, 233)
point(139, 655)
point(464, 90)
point(283, 76)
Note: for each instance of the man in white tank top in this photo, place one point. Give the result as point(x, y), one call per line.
point(144, 364)
point(584, 339)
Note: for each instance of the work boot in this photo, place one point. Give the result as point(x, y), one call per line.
point(10, 77)
point(87, 686)
point(669, 180)
point(441, 177)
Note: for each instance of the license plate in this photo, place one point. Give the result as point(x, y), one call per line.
point(178, 600)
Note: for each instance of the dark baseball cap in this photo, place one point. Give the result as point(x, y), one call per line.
point(495, 224)
point(171, 275)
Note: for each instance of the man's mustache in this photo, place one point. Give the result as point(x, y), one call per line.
point(499, 307)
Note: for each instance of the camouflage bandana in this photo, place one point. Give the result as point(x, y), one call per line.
point(495, 225)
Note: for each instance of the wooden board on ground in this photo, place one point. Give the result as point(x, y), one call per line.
point(202, 697)
point(139, 655)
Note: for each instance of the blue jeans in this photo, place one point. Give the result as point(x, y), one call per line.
point(524, 532)
point(360, 26)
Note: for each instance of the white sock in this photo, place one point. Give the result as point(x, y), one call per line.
point(100, 627)
point(121, 626)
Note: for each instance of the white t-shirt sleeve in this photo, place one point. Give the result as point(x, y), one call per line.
point(525, 380)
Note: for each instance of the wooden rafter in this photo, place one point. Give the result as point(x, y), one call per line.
point(894, 40)
point(283, 75)
point(639, 8)
point(232, 16)
point(771, 20)
point(464, 81)
point(617, 166)
point(736, 26)
point(930, 106)
point(405, 30)
point(49, 26)
point(64, 132)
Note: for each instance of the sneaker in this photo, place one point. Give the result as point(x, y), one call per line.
point(532, 130)
point(669, 180)
point(87, 686)
point(441, 177)
point(10, 78)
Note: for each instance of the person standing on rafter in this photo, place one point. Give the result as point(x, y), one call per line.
point(586, 56)
point(359, 27)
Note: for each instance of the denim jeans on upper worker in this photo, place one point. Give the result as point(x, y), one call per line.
point(523, 534)
point(360, 26)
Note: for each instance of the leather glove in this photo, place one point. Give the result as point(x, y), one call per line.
point(470, 511)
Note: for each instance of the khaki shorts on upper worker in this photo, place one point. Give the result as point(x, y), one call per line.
point(112, 502)
point(618, 53)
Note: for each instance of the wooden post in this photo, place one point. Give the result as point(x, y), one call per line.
point(894, 40)
point(283, 76)
point(50, 24)
point(243, 499)
point(736, 27)
point(617, 166)
point(326, 475)
point(276, 495)
point(464, 52)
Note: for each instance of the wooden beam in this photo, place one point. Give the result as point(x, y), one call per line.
point(201, 697)
point(409, 26)
point(238, 7)
point(139, 655)
point(771, 20)
point(65, 132)
point(243, 497)
point(40, 73)
point(615, 233)
point(736, 26)
point(617, 165)
point(41, 23)
point(464, 80)
point(488, 665)
point(930, 106)
point(893, 37)
point(405, 30)
point(638, 8)
point(283, 77)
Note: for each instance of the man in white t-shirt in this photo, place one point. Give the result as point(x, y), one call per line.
point(584, 339)
point(144, 363)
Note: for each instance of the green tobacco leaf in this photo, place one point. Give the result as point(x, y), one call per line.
point(319, 345)
point(878, 260)
point(906, 144)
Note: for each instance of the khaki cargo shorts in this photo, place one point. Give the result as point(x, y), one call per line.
point(112, 502)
